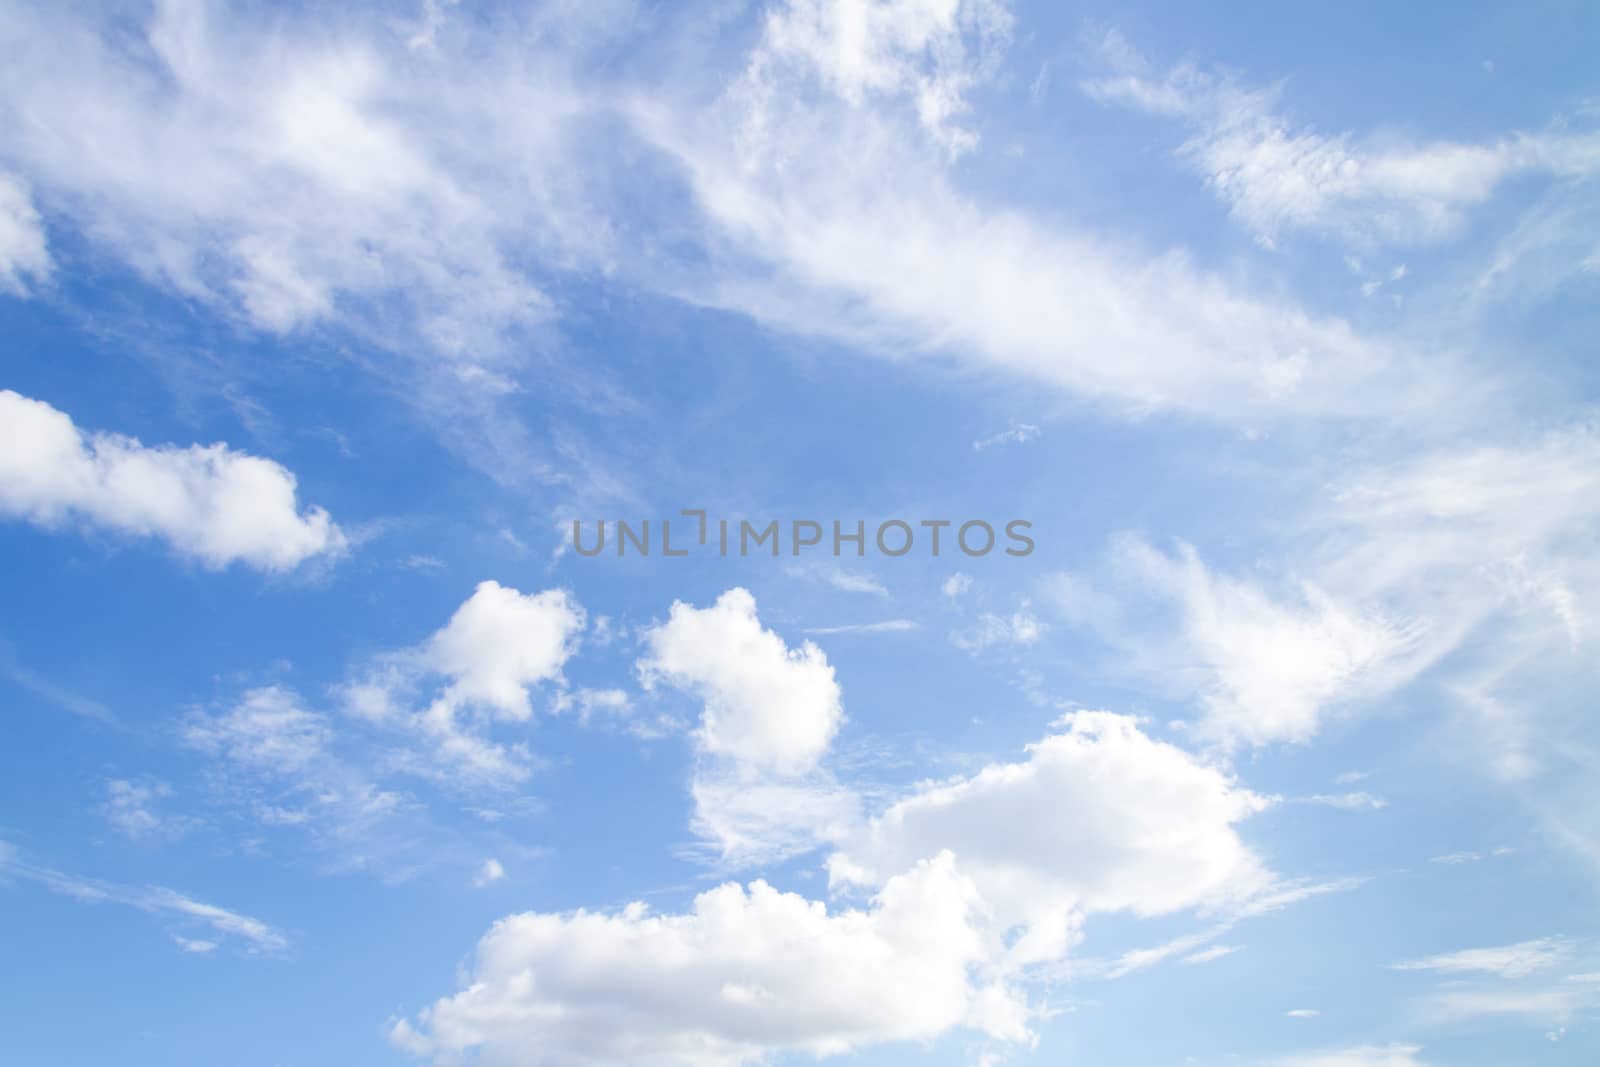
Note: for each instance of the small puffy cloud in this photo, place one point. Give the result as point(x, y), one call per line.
point(768, 706)
point(1149, 830)
point(1507, 961)
point(1302, 1013)
point(480, 667)
point(489, 873)
point(500, 642)
point(208, 501)
point(746, 974)
point(1360, 801)
point(24, 253)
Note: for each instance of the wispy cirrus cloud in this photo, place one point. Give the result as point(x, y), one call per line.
point(1277, 176)
point(255, 935)
point(1507, 961)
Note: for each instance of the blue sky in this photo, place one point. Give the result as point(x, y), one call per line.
point(322, 328)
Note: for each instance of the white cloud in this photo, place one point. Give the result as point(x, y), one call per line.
point(767, 706)
point(282, 169)
point(480, 668)
point(24, 253)
point(1019, 628)
point(886, 626)
point(267, 731)
point(1276, 177)
point(744, 975)
point(50, 692)
point(769, 715)
point(209, 502)
point(1536, 1006)
point(1302, 1013)
point(1145, 828)
point(840, 220)
point(1264, 669)
point(1362, 1056)
point(752, 819)
point(256, 935)
point(1019, 433)
point(500, 642)
point(957, 584)
point(285, 767)
point(133, 808)
point(928, 51)
point(1507, 961)
point(1206, 955)
point(840, 578)
point(320, 169)
point(489, 873)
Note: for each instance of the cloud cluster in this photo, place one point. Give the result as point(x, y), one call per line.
point(747, 972)
point(308, 172)
point(966, 887)
point(209, 502)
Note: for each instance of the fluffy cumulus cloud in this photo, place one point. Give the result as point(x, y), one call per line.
point(24, 253)
point(208, 501)
point(476, 670)
point(501, 642)
point(1276, 177)
point(746, 973)
point(1100, 817)
point(766, 705)
point(769, 714)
